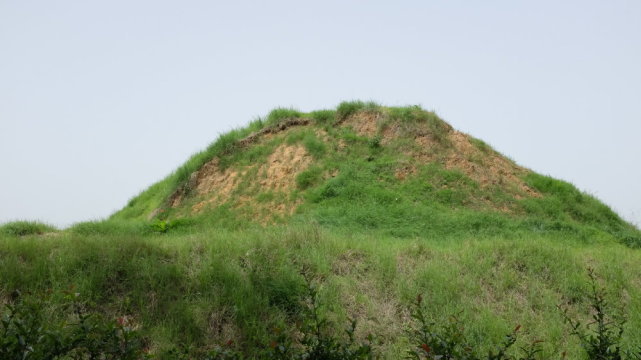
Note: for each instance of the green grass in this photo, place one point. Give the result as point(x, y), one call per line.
point(372, 239)
point(206, 287)
point(24, 228)
point(364, 194)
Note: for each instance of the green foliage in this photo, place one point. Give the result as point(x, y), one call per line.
point(601, 338)
point(320, 341)
point(24, 228)
point(27, 333)
point(448, 341)
point(375, 142)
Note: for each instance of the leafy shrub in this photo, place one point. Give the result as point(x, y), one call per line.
point(318, 340)
point(164, 226)
point(23, 228)
point(26, 333)
point(432, 341)
point(601, 339)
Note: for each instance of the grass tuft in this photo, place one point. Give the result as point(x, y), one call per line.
point(24, 228)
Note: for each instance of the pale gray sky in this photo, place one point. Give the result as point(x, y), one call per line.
point(99, 99)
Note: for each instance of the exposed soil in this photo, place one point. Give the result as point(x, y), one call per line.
point(282, 166)
point(209, 178)
point(213, 186)
point(364, 123)
point(487, 168)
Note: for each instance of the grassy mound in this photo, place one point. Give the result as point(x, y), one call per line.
point(366, 167)
point(372, 205)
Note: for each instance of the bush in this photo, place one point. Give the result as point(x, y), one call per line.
point(601, 338)
point(432, 341)
point(28, 334)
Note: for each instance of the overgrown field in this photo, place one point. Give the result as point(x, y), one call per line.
point(214, 287)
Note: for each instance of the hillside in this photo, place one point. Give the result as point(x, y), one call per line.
point(265, 244)
point(366, 167)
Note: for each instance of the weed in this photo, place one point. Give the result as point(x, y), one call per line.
point(432, 341)
point(601, 338)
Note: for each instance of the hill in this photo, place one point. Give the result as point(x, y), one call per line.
point(278, 233)
point(366, 167)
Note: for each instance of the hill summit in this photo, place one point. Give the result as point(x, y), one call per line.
point(362, 166)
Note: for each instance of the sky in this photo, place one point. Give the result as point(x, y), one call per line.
point(100, 99)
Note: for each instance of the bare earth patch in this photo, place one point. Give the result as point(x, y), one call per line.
point(214, 186)
point(364, 123)
point(486, 168)
point(283, 165)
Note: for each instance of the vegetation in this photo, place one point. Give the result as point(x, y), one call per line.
point(366, 207)
point(23, 228)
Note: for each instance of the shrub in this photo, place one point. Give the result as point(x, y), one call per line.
point(26, 333)
point(601, 339)
point(432, 341)
point(318, 340)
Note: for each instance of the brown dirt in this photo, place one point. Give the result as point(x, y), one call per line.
point(282, 166)
point(364, 123)
point(215, 186)
point(177, 197)
point(486, 168)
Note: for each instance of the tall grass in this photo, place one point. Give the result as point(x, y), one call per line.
point(212, 286)
point(23, 228)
